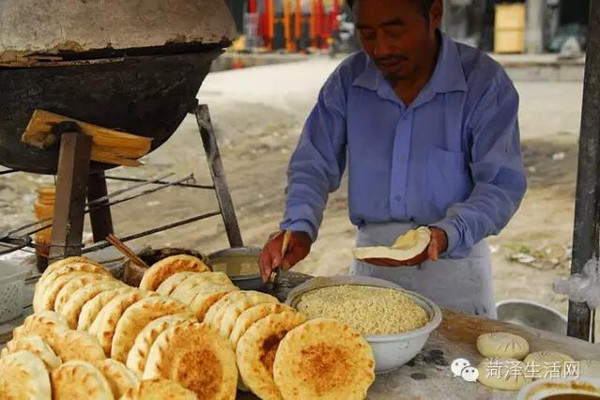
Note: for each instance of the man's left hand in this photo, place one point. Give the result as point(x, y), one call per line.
point(438, 243)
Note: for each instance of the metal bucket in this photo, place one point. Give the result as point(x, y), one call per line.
point(531, 314)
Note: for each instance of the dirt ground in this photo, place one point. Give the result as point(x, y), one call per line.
point(258, 114)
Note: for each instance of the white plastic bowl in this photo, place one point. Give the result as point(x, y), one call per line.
point(390, 351)
point(543, 388)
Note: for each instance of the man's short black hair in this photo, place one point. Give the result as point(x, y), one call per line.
point(425, 6)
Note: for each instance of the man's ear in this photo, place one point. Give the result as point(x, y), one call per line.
point(436, 12)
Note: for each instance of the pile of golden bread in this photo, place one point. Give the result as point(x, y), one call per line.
point(185, 333)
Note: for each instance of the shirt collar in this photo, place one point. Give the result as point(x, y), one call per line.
point(448, 75)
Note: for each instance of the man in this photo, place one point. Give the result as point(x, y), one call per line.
point(429, 130)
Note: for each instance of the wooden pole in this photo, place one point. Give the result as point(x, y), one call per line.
point(587, 201)
point(71, 188)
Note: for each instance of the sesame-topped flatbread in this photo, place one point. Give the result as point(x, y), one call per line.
point(256, 351)
point(163, 269)
point(73, 306)
point(206, 295)
point(215, 313)
point(105, 324)
point(169, 284)
point(136, 317)
point(43, 324)
point(65, 261)
point(35, 345)
point(79, 380)
point(232, 311)
point(65, 293)
point(119, 377)
point(200, 278)
point(93, 307)
point(136, 359)
point(324, 359)
point(41, 291)
point(72, 345)
point(24, 376)
point(159, 389)
point(196, 357)
point(248, 317)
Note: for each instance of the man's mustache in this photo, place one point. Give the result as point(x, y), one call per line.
point(392, 58)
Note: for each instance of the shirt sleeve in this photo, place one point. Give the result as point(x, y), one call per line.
point(318, 163)
point(497, 170)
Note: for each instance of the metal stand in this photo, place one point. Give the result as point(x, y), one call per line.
point(217, 172)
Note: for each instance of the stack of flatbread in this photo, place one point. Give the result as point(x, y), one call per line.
point(186, 331)
point(88, 326)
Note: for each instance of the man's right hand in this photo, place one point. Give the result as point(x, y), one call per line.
point(270, 257)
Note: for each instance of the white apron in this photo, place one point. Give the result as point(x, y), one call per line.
point(462, 284)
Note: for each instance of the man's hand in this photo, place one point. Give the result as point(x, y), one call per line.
point(438, 244)
point(270, 257)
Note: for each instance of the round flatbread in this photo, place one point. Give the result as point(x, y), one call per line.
point(44, 324)
point(231, 312)
point(35, 345)
point(503, 374)
point(72, 308)
point(136, 317)
point(159, 389)
point(47, 298)
point(163, 269)
point(66, 292)
point(251, 315)
point(214, 319)
point(105, 323)
point(196, 357)
point(72, 345)
point(199, 278)
point(546, 364)
point(502, 345)
point(119, 377)
point(206, 296)
point(169, 284)
point(323, 359)
point(40, 296)
point(66, 261)
point(91, 309)
point(187, 291)
point(24, 376)
point(256, 351)
point(79, 380)
point(136, 359)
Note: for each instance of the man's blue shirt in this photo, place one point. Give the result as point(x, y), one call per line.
point(451, 159)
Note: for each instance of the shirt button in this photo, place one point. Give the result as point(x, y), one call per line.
point(400, 157)
point(398, 198)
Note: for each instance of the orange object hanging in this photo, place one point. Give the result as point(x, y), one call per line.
point(287, 25)
point(271, 24)
point(297, 24)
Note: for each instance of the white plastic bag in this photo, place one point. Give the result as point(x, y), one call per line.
point(583, 287)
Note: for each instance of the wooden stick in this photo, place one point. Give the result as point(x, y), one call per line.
point(123, 248)
point(275, 272)
point(285, 244)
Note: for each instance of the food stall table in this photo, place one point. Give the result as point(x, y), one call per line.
point(428, 375)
